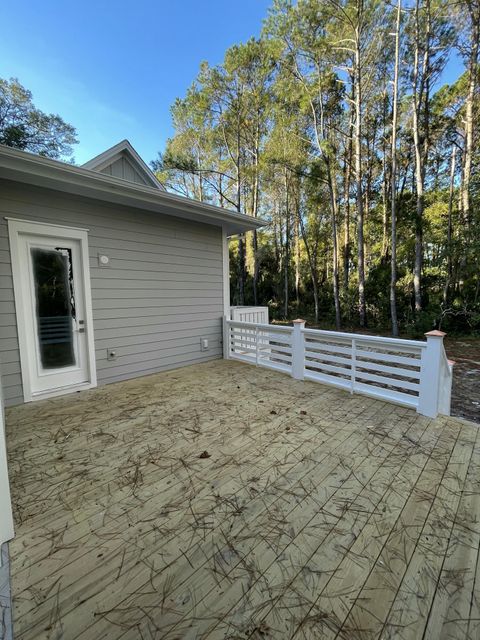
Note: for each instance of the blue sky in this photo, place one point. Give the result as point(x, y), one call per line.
point(113, 68)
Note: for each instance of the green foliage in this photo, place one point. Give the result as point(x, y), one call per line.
point(25, 127)
point(270, 133)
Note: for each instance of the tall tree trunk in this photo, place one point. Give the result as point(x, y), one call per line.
point(346, 236)
point(241, 269)
point(393, 263)
point(287, 246)
point(446, 290)
point(335, 275)
point(384, 181)
point(474, 15)
point(358, 167)
point(312, 263)
point(256, 197)
point(420, 97)
point(417, 269)
point(255, 267)
point(297, 253)
point(241, 246)
point(347, 182)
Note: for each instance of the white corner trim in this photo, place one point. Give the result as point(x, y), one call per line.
point(6, 517)
point(15, 228)
point(226, 274)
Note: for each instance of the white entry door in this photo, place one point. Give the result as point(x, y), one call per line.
point(52, 295)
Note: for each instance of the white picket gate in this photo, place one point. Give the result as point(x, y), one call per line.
point(408, 372)
point(249, 314)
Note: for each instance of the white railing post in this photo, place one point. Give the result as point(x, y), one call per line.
point(256, 346)
point(226, 338)
point(430, 375)
point(445, 393)
point(298, 350)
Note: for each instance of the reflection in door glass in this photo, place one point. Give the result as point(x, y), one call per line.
point(55, 308)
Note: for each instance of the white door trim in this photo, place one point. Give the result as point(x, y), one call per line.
point(15, 228)
point(44, 224)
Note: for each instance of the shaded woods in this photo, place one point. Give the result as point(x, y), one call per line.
point(338, 129)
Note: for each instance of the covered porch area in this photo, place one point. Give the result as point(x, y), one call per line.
point(223, 500)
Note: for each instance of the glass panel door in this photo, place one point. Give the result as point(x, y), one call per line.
point(54, 306)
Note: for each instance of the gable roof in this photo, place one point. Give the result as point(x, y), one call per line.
point(31, 169)
point(122, 161)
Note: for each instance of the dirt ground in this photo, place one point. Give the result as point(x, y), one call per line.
point(466, 377)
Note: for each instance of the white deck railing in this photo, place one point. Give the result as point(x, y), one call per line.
point(407, 372)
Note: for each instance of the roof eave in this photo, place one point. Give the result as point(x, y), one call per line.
point(28, 168)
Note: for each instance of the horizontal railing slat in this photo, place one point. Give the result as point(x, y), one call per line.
point(275, 356)
point(311, 356)
point(392, 382)
point(389, 395)
point(262, 338)
point(389, 349)
point(327, 357)
point(280, 348)
point(243, 356)
point(276, 365)
point(331, 380)
point(321, 366)
point(272, 328)
point(362, 338)
point(395, 371)
point(263, 344)
point(388, 357)
point(316, 345)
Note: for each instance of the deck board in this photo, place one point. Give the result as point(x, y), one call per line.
point(317, 514)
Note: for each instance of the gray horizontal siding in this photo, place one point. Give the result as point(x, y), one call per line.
point(98, 220)
point(166, 365)
point(161, 293)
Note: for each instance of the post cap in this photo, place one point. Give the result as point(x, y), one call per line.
point(299, 321)
point(436, 334)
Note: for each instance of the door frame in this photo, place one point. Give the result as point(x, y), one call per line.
point(16, 228)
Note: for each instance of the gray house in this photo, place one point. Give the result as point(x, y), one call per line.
point(104, 275)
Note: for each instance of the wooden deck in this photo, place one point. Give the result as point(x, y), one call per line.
point(225, 501)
